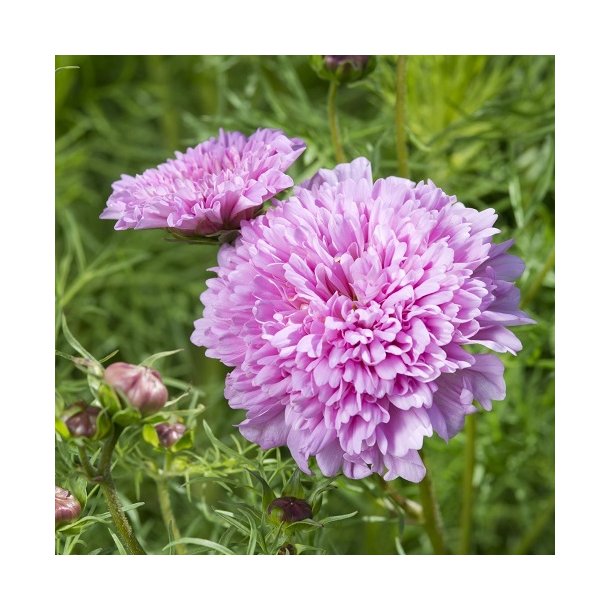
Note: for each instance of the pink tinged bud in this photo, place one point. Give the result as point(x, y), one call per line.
point(334, 61)
point(170, 434)
point(290, 509)
point(67, 507)
point(343, 68)
point(84, 423)
point(142, 385)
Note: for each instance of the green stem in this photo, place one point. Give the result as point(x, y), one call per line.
point(333, 122)
point(165, 504)
point(401, 129)
point(410, 508)
point(537, 528)
point(170, 122)
point(432, 515)
point(86, 464)
point(467, 489)
point(537, 283)
point(106, 483)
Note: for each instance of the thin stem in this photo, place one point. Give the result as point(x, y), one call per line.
point(432, 515)
point(106, 483)
point(333, 122)
point(400, 119)
point(170, 121)
point(165, 504)
point(467, 489)
point(537, 528)
point(410, 508)
point(537, 283)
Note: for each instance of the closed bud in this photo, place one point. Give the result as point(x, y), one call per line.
point(141, 385)
point(170, 434)
point(290, 509)
point(343, 68)
point(83, 423)
point(67, 507)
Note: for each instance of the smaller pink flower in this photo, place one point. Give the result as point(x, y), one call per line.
point(141, 385)
point(209, 188)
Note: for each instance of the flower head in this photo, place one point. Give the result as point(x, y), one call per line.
point(67, 507)
point(209, 188)
point(141, 385)
point(347, 313)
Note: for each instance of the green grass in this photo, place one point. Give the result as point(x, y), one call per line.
point(479, 127)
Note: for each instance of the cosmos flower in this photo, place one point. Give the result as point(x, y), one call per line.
point(347, 313)
point(209, 188)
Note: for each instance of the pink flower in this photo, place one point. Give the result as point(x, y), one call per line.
point(141, 385)
point(209, 188)
point(347, 312)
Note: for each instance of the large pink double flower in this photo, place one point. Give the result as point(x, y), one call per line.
point(347, 311)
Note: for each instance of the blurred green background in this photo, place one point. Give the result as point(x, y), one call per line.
point(480, 127)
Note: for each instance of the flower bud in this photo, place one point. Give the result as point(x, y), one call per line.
point(83, 423)
point(287, 549)
point(170, 434)
point(67, 507)
point(343, 68)
point(290, 509)
point(142, 385)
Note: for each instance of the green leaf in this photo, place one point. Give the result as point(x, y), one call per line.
point(209, 544)
point(224, 448)
point(103, 426)
point(149, 434)
point(109, 398)
point(172, 402)
point(127, 417)
point(328, 520)
point(186, 442)
point(110, 355)
point(78, 486)
point(71, 339)
point(61, 428)
point(119, 544)
point(251, 550)
point(305, 525)
point(293, 486)
point(317, 495)
point(152, 359)
point(230, 518)
point(268, 495)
